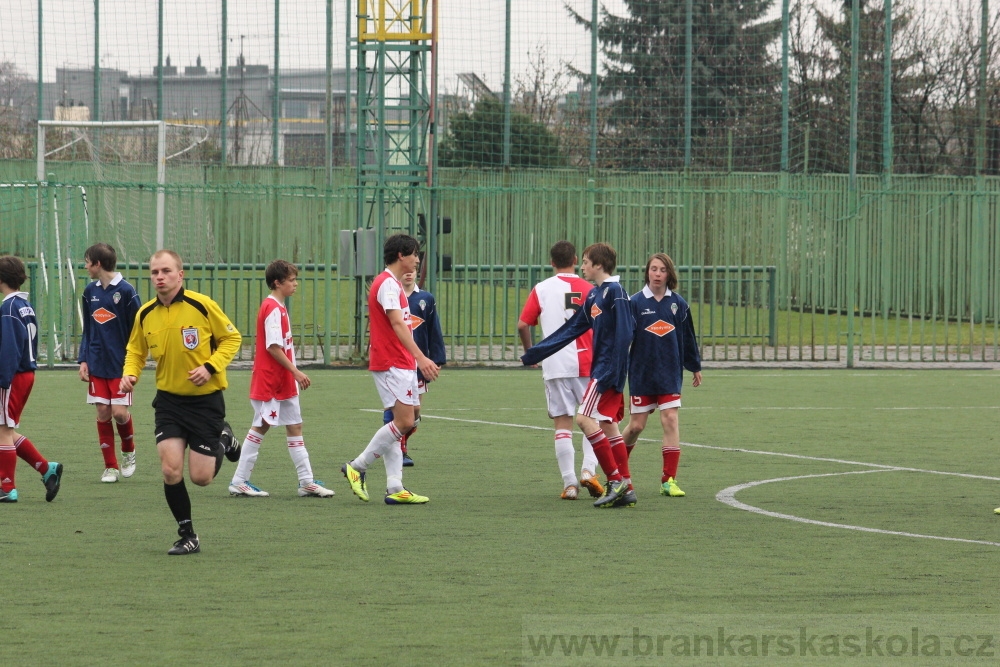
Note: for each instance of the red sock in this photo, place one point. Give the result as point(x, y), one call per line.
point(628, 449)
point(602, 450)
point(671, 457)
point(126, 433)
point(27, 451)
point(8, 461)
point(620, 451)
point(106, 438)
point(406, 439)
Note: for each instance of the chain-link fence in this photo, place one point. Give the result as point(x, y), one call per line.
point(865, 86)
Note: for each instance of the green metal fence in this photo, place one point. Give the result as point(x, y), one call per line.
point(777, 268)
point(829, 173)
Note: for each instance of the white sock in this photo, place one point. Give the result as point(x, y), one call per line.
point(393, 459)
point(384, 438)
point(248, 457)
point(565, 456)
point(300, 458)
point(589, 459)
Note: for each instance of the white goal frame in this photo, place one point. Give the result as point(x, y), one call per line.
point(161, 158)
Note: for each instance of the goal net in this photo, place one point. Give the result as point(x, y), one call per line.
point(120, 169)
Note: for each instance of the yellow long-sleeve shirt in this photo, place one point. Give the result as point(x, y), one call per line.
point(191, 331)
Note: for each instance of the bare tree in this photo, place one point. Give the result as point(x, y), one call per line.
point(537, 92)
point(16, 99)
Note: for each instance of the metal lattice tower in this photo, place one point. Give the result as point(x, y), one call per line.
point(395, 109)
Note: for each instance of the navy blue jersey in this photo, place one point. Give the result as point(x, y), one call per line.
point(18, 337)
point(607, 311)
point(426, 327)
point(108, 315)
point(664, 344)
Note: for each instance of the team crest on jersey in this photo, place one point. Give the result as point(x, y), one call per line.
point(423, 304)
point(103, 316)
point(660, 328)
point(673, 308)
point(117, 297)
point(595, 311)
point(415, 321)
point(190, 338)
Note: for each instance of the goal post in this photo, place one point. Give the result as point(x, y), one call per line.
point(161, 158)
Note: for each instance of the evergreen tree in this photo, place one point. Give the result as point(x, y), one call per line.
point(476, 139)
point(828, 109)
point(734, 82)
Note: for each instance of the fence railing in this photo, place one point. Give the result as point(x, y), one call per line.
point(478, 305)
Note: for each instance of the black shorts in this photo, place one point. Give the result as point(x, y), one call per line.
point(198, 420)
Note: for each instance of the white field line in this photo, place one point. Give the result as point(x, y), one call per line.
point(727, 449)
point(728, 495)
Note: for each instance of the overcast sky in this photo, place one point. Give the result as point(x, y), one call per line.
point(471, 35)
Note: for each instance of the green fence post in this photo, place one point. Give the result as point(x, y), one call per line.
point(772, 307)
point(853, 212)
point(591, 212)
point(224, 73)
point(276, 97)
point(506, 88)
point(688, 73)
point(593, 86)
point(328, 175)
point(887, 246)
point(97, 61)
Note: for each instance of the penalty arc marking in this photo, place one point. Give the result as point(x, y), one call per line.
point(728, 495)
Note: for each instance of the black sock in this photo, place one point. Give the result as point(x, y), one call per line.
point(180, 505)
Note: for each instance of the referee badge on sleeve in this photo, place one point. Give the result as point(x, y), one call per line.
point(190, 338)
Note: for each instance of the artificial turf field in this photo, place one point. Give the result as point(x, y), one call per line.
point(496, 569)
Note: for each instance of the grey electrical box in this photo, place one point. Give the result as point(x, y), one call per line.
point(359, 254)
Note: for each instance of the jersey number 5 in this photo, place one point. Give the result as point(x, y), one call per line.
point(573, 301)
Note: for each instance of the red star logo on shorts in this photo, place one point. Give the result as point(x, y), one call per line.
point(274, 414)
point(409, 393)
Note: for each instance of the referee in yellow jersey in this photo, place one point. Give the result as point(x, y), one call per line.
point(192, 341)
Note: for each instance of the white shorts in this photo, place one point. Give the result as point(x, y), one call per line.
point(422, 386)
point(397, 384)
point(564, 395)
point(277, 413)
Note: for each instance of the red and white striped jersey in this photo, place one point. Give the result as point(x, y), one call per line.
point(552, 302)
point(269, 380)
point(385, 351)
